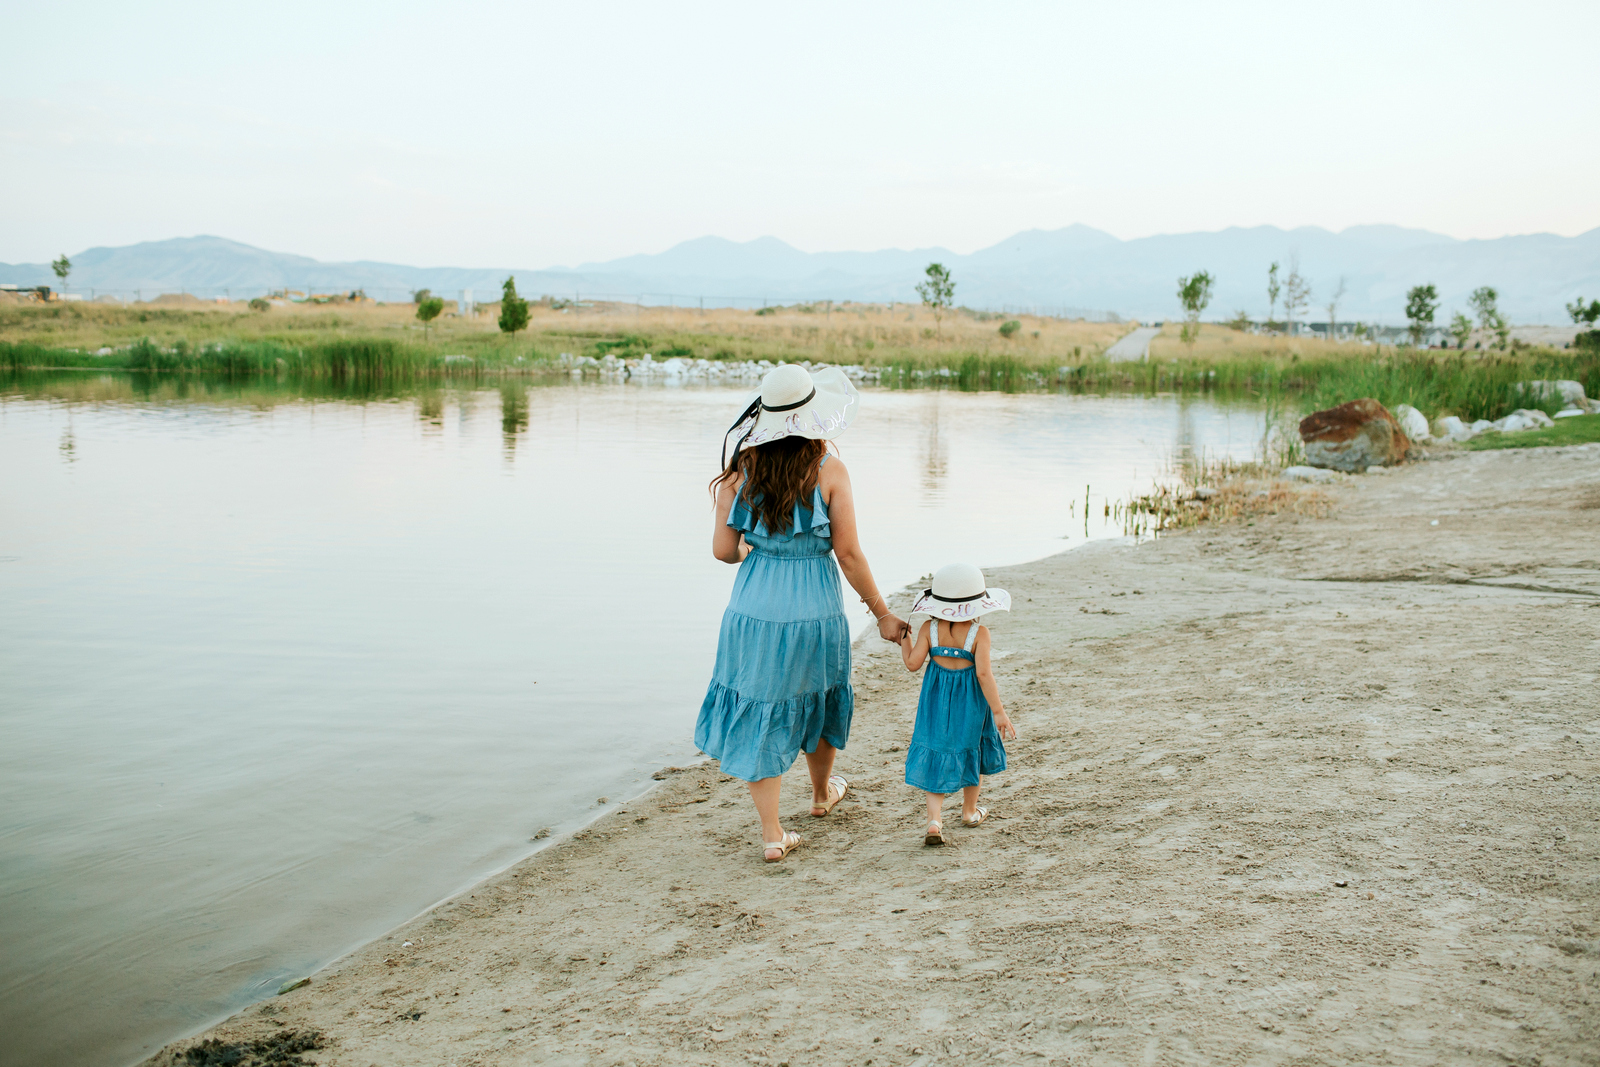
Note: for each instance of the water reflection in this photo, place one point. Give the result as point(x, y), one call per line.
point(513, 416)
point(936, 456)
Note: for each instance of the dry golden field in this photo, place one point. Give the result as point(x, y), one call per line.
point(847, 333)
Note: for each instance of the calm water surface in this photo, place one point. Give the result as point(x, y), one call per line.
point(278, 671)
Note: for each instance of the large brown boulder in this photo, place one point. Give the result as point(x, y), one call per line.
point(1353, 437)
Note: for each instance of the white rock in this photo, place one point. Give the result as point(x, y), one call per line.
point(1561, 389)
point(1310, 474)
point(1570, 412)
point(1481, 425)
point(1522, 419)
point(1413, 423)
point(1451, 429)
point(1536, 415)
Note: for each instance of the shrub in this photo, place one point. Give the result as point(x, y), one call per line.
point(259, 304)
point(1009, 329)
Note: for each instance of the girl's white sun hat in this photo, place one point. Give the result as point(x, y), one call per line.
point(958, 594)
point(795, 402)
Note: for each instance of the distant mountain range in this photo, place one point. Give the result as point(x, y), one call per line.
point(1073, 270)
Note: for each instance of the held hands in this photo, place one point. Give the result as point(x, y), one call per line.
point(1002, 722)
point(892, 628)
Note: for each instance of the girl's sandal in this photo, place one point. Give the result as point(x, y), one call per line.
point(977, 817)
point(935, 835)
point(819, 811)
point(790, 842)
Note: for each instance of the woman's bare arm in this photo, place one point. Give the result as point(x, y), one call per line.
point(727, 544)
point(834, 481)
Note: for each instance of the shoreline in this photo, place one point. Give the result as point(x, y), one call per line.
point(1249, 816)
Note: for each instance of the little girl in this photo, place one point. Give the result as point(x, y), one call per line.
point(960, 720)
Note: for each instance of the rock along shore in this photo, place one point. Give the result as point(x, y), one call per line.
point(1303, 791)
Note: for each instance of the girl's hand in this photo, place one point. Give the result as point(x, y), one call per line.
point(892, 627)
point(1002, 722)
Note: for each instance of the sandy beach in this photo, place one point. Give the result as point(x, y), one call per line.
point(1308, 790)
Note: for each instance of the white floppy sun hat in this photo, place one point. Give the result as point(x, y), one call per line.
point(958, 594)
point(795, 402)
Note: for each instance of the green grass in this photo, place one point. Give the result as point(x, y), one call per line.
point(338, 359)
point(386, 344)
point(1577, 430)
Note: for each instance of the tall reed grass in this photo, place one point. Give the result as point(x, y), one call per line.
point(338, 360)
point(370, 342)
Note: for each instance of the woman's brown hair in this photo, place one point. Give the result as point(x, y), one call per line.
point(777, 476)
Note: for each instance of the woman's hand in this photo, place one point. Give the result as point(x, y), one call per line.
point(1002, 722)
point(892, 628)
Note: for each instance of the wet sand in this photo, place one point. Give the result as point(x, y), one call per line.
point(1302, 791)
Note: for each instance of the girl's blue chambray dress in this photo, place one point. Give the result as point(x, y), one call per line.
point(782, 679)
point(955, 738)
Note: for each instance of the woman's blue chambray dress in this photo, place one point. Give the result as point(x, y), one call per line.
point(782, 679)
point(955, 738)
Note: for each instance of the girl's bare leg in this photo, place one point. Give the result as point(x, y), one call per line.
point(820, 765)
point(935, 806)
point(765, 794)
point(969, 802)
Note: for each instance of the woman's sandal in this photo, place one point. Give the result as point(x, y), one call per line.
point(981, 814)
point(935, 835)
point(790, 842)
point(819, 811)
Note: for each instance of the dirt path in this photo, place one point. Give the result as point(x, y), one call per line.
point(1135, 345)
point(1307, 791)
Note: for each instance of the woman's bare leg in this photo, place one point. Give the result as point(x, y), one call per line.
point(935, 806)
point(765, 794)
point(820, 764)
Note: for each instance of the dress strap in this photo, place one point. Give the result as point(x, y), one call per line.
point(972, 636)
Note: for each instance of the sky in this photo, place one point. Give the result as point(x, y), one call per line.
point(535, 135)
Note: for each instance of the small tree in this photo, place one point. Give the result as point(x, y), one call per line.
point(420, 295)
point(1485, 300)
point(1296, 295)
point(1272, 294)
point(1333, 310)
point(937, 292)
point(1194, 293)
point(62, 267)
point(428, 309)
point(513, 309)
point(1421, 302)
point(1009, 329)
point(1584, 316)
point(1461, 329)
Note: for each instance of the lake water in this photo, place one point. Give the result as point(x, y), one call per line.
point(277, 671)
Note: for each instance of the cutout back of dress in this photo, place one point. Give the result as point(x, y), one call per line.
point(949, 651)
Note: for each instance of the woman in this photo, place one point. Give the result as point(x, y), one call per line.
point(782, 680)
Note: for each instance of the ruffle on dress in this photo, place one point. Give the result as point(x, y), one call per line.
point(933, 771)
point(756, 740)
point(812, 520)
